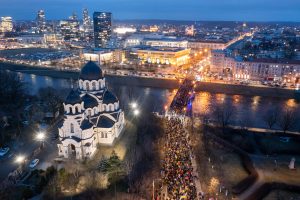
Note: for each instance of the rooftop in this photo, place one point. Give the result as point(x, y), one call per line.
point(166, 49)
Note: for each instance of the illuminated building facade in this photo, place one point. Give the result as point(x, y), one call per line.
point(206, 45)
point(163, 56)
point(92, 116)
point(102, 28)
point(41, 21)
point(6, 24)
point(257, 69)
point(69, 29)
point(166, 42)
point(190, 30)
point(105, 56)
point(87, 26)
point(53, 39)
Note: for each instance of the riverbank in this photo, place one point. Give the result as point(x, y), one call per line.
point(157, 83)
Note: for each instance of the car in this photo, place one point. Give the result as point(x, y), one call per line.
point(4, 151)
point(284, 139)
point(34, 163)
point(25, 123)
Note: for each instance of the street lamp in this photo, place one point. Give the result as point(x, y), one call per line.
point(20, 159)
point(133, 105)
point(41, 137)
point(136, 112)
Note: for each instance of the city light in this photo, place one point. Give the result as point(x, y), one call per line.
point(134, 105)
point(20, 159)
point(123, 30)
point(136, 112)
point(40, 136)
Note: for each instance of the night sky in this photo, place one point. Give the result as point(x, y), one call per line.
point(235, 10)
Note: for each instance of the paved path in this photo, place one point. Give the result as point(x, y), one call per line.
point(257, 130)
point(250, 190)
point(195, 167)
point(195, 173)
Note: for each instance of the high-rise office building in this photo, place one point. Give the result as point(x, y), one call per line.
point(102, 28)
point(69, 29)
point(41, 21)
point(87, 26)
point(6, 24)
point(73, 16)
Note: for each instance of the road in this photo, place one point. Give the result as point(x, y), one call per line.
point(26, 148)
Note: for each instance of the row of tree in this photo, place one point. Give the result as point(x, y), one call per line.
point(286, 118)
point(16, 105)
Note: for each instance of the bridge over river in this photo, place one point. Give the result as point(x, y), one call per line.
point(179, 176)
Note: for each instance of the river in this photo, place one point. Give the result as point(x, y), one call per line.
point(249, 110)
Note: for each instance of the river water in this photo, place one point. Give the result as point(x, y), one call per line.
point(249, 110)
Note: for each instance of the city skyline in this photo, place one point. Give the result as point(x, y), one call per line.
point(233, 10)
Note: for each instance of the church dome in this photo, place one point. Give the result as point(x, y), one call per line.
point(91, 71)
point(109, 97)
point(89, 101)
point(73, 98)
point(105, 122)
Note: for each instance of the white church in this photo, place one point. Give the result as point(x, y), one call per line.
point(92, 116)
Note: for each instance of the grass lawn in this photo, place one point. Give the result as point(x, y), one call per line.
point(224, 169)
point(121, 146)
point(282, 195)
point(282, 173)
point(271, 144)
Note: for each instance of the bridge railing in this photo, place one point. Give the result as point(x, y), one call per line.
point(183, 96)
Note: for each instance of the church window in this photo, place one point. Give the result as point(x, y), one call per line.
point(105, 135)
point(102, 135)
point(87, 86)
point(72, 128)
point(94, 86)
point(111, 107)
point(89, 113)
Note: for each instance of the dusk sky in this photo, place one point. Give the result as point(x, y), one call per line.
point(242, 10)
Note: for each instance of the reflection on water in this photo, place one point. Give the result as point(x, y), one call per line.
point(248, 109)
point(255, 102)
point(291, 103)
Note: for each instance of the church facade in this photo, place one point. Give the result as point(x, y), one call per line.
point(92, 116)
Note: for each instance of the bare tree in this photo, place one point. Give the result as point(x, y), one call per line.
point(271, 117)
point(223, 114)
point(287, 120)
point(50, 99)
point(12, 93)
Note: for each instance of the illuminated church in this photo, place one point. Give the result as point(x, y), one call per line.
point(92, 116)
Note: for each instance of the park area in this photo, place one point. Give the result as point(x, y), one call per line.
point(247, 165)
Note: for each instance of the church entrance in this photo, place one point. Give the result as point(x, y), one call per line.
point(72, 151)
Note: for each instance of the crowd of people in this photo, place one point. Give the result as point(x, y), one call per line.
point(177, 166)
point(182, 96)
point(177, 170)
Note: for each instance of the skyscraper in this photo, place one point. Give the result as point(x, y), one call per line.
point(73, 16)
point(102, 28)
point(86, 21)
point(41, 22)
point(69, 29)
point(6, 24)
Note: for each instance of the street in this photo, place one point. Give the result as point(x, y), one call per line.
point(26, 148)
